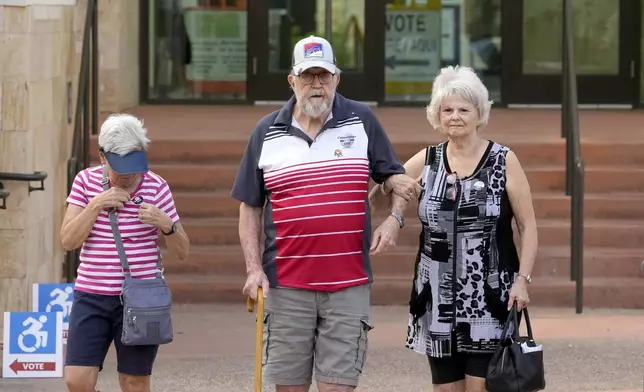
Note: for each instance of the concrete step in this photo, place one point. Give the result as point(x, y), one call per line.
point(621, 234)
point(220, 177)
point(197, 177)
point(596, 205)
point(627, 293)
point(552, 232)
point(209, 231)
point(206, 204)
point(554, 205)
point(551, 261)
point(183, 149)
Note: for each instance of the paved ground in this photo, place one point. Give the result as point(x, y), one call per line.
point(600, 350)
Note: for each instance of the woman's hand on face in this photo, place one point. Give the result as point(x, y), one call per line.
point(111, 198)
point(519, 294)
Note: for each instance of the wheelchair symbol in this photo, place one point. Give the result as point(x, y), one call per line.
point(61, 300)
point(33, 330)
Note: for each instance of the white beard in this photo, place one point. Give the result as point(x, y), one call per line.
point(316, 108)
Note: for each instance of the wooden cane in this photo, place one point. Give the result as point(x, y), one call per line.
point(259, 335)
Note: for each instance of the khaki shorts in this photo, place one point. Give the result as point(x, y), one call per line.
point(306, 330)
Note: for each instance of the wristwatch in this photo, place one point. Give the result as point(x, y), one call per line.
point(528, 277)
point(173, 229)
point(399, 218)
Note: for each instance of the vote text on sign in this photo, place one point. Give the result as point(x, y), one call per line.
point(33, 345)
point(54, 297)
point(413, 48)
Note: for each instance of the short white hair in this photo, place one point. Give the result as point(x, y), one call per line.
point(461, 81)
point(122, 134)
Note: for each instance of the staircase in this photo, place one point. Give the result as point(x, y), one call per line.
point(201, 172)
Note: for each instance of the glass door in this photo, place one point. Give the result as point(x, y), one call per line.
point(276, 25)
point(603, 38)
point(194, 51)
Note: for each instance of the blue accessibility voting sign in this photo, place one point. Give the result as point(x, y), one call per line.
point(33, 345)
point(54, 297)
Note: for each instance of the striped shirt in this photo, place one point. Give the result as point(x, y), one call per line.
point(319, 213)
point(315, 194)
point(100, 270)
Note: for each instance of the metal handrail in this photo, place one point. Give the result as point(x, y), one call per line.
point(26, 177)
point(575, 172)
point(86, 110)
point(35, 176)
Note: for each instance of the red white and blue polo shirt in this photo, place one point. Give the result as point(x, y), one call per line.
point(315, 194)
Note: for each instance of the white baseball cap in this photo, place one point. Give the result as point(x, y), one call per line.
point(313, 52)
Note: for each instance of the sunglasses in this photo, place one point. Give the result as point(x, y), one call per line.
point(451, 189)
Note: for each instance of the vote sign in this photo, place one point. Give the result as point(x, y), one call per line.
point(33, 345)
point(412, 46)
point(54, 297)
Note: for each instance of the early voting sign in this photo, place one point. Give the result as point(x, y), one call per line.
point(33, 345)
point(413, 48)
point(54, 297)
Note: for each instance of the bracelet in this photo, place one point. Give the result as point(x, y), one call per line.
point(528, 278)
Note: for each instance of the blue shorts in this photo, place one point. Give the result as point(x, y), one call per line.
point(94, 323)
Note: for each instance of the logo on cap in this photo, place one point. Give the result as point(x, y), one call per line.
point(313, 49)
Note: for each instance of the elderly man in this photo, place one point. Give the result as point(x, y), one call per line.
point(306, 170)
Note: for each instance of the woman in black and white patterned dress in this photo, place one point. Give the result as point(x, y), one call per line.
point(472, 188)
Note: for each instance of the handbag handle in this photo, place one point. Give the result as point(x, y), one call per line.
point(527, 323)
point(513, 318)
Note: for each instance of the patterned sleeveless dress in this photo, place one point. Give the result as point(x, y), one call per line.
point(466, 261)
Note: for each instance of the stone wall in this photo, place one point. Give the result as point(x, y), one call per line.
point(119, 54)
point(39, 55)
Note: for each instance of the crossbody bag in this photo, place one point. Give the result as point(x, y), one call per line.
point(147, 303)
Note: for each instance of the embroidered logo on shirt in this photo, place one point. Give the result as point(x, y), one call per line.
point(347, 140)
point(337, 152)
point(137, 199)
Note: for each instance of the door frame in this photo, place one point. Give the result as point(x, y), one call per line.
point(364, 85)
point(518, 88)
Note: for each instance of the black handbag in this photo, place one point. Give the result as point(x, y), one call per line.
point(517, 363)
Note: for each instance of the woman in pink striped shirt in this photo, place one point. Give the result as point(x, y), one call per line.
point(145, 208)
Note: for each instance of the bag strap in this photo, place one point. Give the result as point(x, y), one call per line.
point(117, 234)
point(430, 155)
point(115, 228)
point(513, 318)
point(527, 323)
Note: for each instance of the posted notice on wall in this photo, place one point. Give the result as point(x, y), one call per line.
point(218, 39)
point(413, 47)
